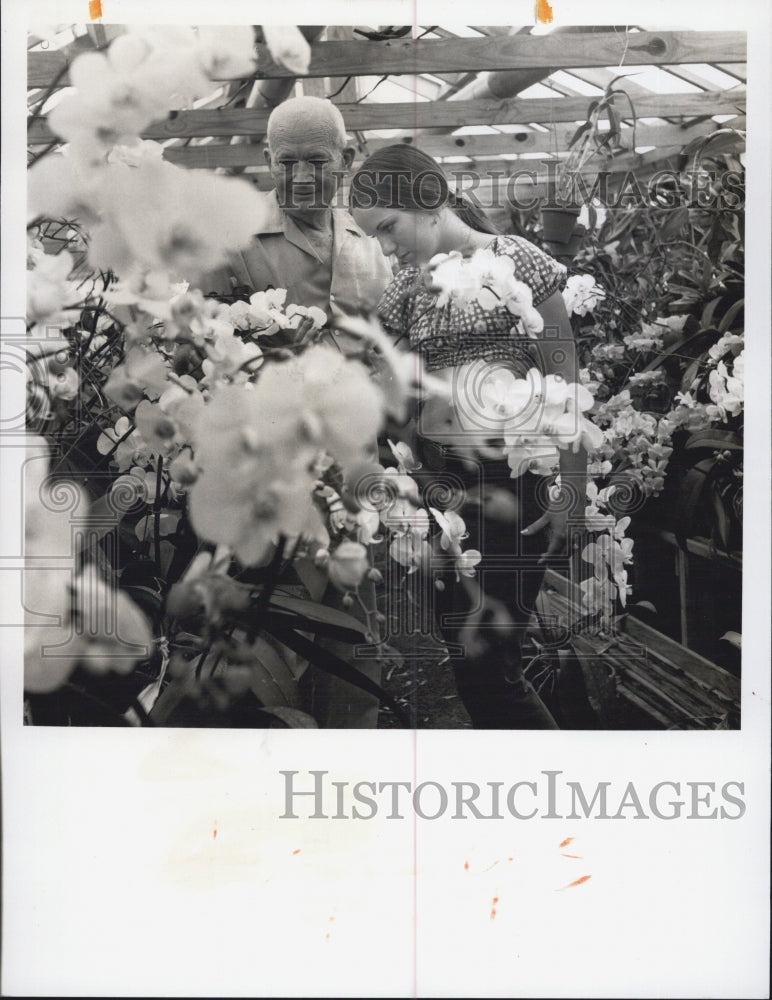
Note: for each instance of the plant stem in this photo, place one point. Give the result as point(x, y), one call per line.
point(157, 514)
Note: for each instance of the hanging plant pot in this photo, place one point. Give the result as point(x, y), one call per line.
point(571, 248)
point(558, 223)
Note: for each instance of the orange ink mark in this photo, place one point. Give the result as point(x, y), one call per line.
point(577, 856)
point(214, 834)
point(578, 881)
point(543, 12)
point(296, 851)
point(490, 866)
point(466, 866)
point(493, 907)
point(94, 9)
point(510, 859)
point(566, 842)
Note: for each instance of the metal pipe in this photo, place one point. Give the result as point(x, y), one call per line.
point(498, 85)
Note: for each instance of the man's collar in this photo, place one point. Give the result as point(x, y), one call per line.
point(343, 220)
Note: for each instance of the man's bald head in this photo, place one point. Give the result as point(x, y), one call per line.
point(307, 154)
point(312, 120)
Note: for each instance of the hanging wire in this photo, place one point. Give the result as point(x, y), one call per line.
point(370, 91)
point(627, 43)
point(335, 93)
point(375, 36)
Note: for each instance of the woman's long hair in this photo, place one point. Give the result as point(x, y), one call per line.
point(410, 180)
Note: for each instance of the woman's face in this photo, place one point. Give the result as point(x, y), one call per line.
point(412, 237)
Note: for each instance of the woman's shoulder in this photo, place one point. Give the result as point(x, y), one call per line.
point(405, 284)
point(511, 245)
point(406, 278)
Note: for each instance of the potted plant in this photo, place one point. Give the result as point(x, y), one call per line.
point(565, 251)
point(561, 210)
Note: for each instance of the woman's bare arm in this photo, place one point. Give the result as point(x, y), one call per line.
point(558, 357)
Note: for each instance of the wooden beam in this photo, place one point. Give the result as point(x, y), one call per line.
point(531, 172)
point(449, 55)
point(369, 117)
point(602, 78)
point(476, 147)
point(738, 70)
point(555, 141)
point(504, 180)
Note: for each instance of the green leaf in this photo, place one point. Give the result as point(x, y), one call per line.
point(707, 274)
point(643, 606)
point(707, 313)
point(149, 600)
point(170, 699)
point(610, 91)
point(264, 683)
point(720, 517)
point(730, 315)
point(277, 618)
point(689, 347)
point(689, 497)
point(723, 141)
point(715, 439)
point(674, 223)
point(318, 613)
point(613, 120)
point(334, 665)
point(690, 374)
point(271, 667)
point(584, 127)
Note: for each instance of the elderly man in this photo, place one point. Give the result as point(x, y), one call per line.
point(306, 244)
point(317, 252)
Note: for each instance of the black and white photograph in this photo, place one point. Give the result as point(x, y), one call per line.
point(385, 377)
point(316, 459)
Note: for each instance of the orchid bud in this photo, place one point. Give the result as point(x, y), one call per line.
point(348, 565)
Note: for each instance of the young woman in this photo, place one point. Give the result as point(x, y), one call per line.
point(401, 196)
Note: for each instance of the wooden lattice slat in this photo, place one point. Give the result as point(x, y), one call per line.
point(474, 146)
point(450, 55)
point(220, 122)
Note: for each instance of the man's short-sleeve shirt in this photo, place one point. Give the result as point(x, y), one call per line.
point(284, 254)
